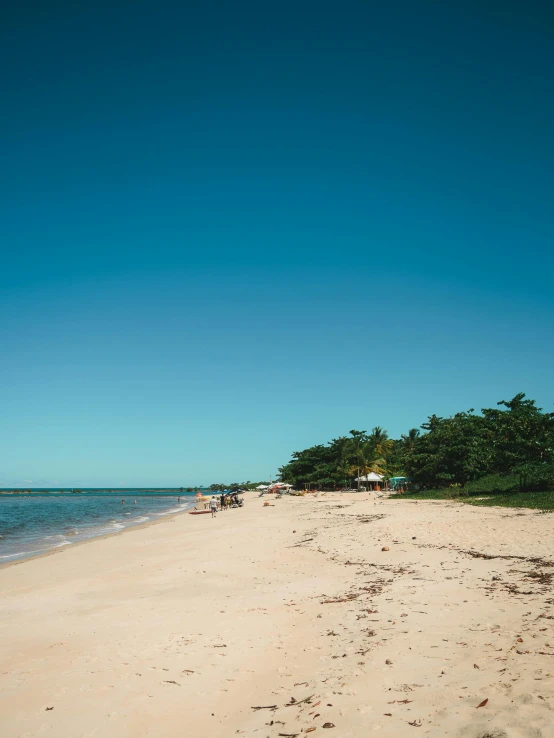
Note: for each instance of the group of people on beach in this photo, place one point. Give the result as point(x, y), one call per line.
point(224, 503)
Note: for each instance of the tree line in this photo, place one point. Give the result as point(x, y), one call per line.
point(514, 440)
point(234, 486)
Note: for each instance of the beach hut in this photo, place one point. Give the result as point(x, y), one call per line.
point(372, 480)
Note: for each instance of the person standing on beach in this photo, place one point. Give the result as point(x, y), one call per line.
point(222, 502)
point(213, 506)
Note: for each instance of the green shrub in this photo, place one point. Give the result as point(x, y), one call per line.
point(455, 491)
point(536, 476)
point(493, 483)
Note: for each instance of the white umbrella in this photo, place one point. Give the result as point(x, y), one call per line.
point(262, 486)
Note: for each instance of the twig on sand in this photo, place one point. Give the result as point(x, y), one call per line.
point(264, 707)
point(294, 702)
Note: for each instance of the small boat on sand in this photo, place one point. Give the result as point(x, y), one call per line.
point(199, 512)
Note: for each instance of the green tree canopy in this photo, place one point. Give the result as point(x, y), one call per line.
point(514, 437)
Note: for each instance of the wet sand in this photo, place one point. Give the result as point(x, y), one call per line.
point(185, 627)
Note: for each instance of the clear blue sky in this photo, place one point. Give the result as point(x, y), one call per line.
point(230, 230)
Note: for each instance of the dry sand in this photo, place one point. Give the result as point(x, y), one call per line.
point(182, 628)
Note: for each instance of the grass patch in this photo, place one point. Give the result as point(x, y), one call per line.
point(533, 500)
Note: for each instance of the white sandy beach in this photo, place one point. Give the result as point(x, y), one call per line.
point(183, 627)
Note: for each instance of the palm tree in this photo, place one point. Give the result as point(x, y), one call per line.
point(369, 453)
point(409, 439)
point(382, 447)
point(366, 456)
point(362, 451)
point(356, 451)
point(378, 437)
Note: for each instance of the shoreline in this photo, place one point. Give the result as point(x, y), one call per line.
point(102, 536)
point(357, 612)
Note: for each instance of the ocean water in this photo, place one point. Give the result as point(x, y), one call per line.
point(35, 523)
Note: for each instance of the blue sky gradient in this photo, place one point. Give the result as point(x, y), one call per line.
point(232, 230)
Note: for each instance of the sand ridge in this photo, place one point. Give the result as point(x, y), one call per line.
point(187, 626)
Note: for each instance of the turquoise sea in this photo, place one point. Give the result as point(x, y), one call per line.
point(34, 523)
